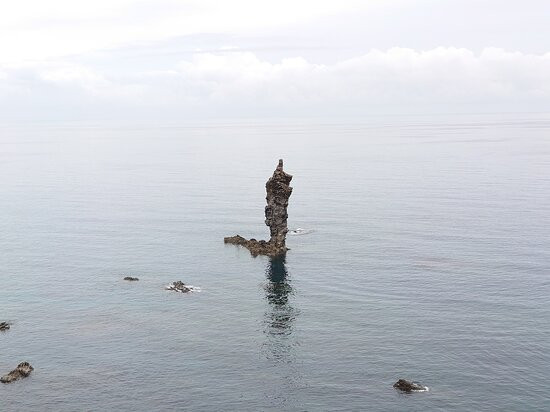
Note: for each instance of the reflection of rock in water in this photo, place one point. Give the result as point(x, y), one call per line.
point(278, 287)
point(281, 341)
point(280, 316)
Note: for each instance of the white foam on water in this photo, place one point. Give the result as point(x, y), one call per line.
point(300, 231)
point(191, 288)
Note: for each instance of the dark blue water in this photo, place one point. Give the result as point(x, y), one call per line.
point(429, 260)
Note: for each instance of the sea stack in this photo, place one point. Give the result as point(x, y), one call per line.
point(278, 193)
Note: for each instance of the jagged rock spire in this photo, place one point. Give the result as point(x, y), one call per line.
point(278, 193)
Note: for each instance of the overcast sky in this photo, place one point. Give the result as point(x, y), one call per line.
point(64, 60)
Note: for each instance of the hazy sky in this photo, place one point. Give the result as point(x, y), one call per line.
point(173, 60)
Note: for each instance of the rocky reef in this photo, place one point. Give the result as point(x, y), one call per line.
point(278, 193)
point(4, 326)
point(408, 386)
point(179, 286)
point(23, 370)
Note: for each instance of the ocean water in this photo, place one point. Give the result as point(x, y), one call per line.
point(428, 259)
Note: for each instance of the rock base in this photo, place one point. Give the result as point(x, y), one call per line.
point(23, 370)
point(257, 247)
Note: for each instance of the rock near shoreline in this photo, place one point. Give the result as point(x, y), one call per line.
point(278, 192)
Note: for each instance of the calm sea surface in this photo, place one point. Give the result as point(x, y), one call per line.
point(429, 260)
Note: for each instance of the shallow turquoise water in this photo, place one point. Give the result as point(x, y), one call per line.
point(429, 260)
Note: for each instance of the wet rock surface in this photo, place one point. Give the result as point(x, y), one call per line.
point(4, 326)
point(23, 370)
point(408, 386)
point(131, 279)
point(179, 286)
point(278, 193)
point(256, 247)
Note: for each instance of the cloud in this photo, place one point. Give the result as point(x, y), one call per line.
point(243, 84)
point(89, 82)
point(34, 30)
point(442, 74)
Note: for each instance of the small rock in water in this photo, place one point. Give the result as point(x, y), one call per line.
point(131, 279)
point(407, 386)
point(4, 326)
point(23, 370)
point(300, 231)
point(179, 286)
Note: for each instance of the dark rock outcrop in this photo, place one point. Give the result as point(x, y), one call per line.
point(278, 193)
point(4, 326)
point(179, 286)
point(407, 386)
point(131, 279)
point(22, 371)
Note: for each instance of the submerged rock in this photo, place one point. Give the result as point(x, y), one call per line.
point(4, 326)
point(179, 286)
point(23, 370)
point(299, 231)
point(278, 193)
point(131, 279)
point(408, 386)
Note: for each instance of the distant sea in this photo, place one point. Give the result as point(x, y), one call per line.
point(428, 259)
